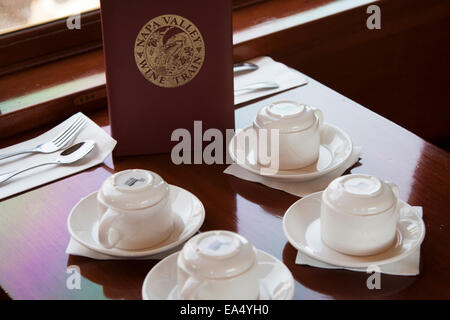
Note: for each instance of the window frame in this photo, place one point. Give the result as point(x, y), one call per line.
point(47, 42)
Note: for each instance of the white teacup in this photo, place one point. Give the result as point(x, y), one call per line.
point(359, 214)
point(217, 265)
point(298, 133)
point(134, 210)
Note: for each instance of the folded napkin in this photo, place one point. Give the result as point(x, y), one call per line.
point(300, 189)
point(77, 249)
point(38, 176)
point(409, 266)
point(269, 70)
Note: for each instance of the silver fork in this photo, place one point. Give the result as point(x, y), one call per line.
point(56, 143)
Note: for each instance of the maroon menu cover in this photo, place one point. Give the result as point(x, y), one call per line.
point(168, 64)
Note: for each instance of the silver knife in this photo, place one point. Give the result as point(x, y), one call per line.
point(257, 86)
point(244, 67)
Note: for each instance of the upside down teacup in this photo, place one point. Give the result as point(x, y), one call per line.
point(359, 215)
point(295, 128)
point(134, 210)
point(217, 265)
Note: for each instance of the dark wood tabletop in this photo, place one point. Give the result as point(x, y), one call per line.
point(34, 235)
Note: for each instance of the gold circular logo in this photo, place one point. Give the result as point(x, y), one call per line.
point(169, 51)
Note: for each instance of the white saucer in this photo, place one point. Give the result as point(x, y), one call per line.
point(335, 148)
point(276, 281)
point(301, 225)
point(189, 215)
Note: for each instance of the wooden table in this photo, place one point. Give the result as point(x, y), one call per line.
point(34, 236)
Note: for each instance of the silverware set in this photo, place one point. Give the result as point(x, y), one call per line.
point(246, 67)
point(60, 142)
point(56, 143)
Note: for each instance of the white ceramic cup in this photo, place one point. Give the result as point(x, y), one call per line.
point(359, 215)
point(298, 134)
point(217, 265)
point(134, 210)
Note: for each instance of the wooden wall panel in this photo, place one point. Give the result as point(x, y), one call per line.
point(400, 71)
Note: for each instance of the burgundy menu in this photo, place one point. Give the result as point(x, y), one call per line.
point(168, 64)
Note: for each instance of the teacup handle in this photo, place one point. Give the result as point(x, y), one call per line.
point(190, 288)
point(396, 192)
point(395, 189)
point(105, 228)
point(319, 115)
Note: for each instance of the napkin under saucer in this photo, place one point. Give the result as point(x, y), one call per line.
point(76, 249)
point(409, 266)
point(300, 189)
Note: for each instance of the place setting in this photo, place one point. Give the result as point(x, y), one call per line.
point(311, 153)
point(219, 265)
point(263, 76)
point(356, 223)
point(71, 147)
point(134, 215)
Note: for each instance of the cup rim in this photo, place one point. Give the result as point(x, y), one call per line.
point(280, 118)
point(202, 273)
point(394, 204)
point(204, 277)
point(116, 175)
point(304, 106)
point(100, 199)
point(315, 123)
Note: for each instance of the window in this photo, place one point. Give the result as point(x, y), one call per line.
point(21, 14)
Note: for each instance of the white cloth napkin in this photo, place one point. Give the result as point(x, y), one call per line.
point(409, 266)
point(36, 177)
point(77, 249)
point(269, 70)
point(300, 189)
